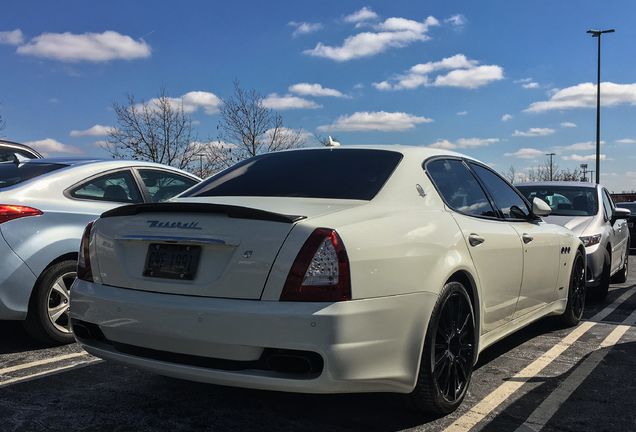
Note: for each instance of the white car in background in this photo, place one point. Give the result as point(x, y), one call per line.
point(589, 211)
point(45, 205)
point(341, 269)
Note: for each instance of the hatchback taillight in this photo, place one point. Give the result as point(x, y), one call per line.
point(10, 212)
point(320, 272)
point(84, 271)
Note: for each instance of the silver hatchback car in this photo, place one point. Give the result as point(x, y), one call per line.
point(589, 211)
point(45, 204)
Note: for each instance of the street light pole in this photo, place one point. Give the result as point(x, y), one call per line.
point(597, 34)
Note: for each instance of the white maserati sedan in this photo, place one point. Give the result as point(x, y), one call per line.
point(327, 270)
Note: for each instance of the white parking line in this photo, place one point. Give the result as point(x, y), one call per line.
point(48, 372)
point(540, 417)
point(494, 399)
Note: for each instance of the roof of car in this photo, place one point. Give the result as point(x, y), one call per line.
point(15, 145)
point(558, 184)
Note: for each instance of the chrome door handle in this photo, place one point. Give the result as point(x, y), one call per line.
point(527, 238)
point(475, 240)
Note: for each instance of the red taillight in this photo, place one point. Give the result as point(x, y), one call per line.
point(84, 271)
point(320, 272)
point(10, 212)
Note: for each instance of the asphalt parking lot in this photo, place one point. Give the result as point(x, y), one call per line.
point(542, 378)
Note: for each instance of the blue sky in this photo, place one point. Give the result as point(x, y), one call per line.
point(506, 82)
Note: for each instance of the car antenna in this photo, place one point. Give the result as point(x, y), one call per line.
point(332, 143)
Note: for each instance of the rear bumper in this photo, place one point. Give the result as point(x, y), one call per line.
point(366, 345)
point(16, 284)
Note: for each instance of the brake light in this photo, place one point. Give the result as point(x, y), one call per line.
point(320, 272)
point(10, 212)
point(84, 270)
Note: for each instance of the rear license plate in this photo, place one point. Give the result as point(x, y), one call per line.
point(172, 261)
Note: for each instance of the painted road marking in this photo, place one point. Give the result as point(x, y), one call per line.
point(48, 371)
point(497, 397)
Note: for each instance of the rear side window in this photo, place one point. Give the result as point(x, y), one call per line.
point(114, 187)
point(459, 188)
point(12, 174)
point(163, 185)
point(321, 173)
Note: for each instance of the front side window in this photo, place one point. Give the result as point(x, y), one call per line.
point(115, 187)
point(459, 188)
point(608, 205)
point(506, 198)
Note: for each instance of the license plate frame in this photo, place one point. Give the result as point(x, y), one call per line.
point(171, 261)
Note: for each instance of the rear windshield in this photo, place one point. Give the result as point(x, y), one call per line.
point(321, 173)
point(12, 174)
point(564, 200)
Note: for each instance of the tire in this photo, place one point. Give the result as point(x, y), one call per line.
point(576, 293)
point(47, 318)
point(447, 359)
point(621, 275)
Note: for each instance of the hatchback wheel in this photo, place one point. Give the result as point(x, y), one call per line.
point(48, 318)
point(449, 353)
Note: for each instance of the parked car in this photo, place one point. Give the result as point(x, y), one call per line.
point(45, 205)
point(340, 269)
point(9, 150)
point(631, 206)
point(589, 211)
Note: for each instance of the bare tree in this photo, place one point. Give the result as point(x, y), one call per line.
point(324, 141)
point(2, 124)
point(548, 171)
point(158, 131)
point(248, 128)
point(511, 174)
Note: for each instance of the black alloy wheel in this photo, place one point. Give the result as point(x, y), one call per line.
point(449, 353)
point(576, 293)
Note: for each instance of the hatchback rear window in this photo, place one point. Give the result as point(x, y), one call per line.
point(12, 174)
point(321, 173)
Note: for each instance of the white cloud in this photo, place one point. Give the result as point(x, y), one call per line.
point(531, 85)
point(584, 96)
point(456, 21)
point(506, 117)
point(364, 14)
point(578, 158)
point(11, 37)
point(194, 100)
point(286, 102)
point(463, 73)
point(568, 125)
point(526, 153)
point(463, 143)
point(581, 146)
point(303, 28)
point(392, 33)
point(49, 146)
point(462, 113)
point(380, 121)
point(306, 89)
point(94, 47)
point(97, 130)
point(626, 141)
point(534, 132)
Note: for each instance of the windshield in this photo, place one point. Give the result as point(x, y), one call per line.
point(12, 174)
point(321, 173)
point(564, 200)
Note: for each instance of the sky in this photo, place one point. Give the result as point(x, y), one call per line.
point(506, 82)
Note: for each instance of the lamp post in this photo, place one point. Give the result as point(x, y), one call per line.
point(550, 154)
point(597, 34)
point(584, 168)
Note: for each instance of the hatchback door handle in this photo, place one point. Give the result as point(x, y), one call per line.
point(475, 240)
point(527, 238)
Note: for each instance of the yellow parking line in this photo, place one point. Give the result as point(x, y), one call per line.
point(497, 397)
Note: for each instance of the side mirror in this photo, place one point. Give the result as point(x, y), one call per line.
point(620, 213)
point(540, 208)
